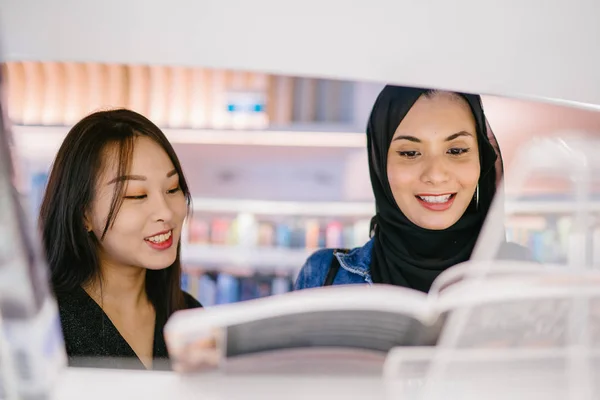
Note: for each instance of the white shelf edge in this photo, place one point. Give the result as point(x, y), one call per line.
point(358, 209)
point(32, 140)
point(546, 207)
point(272, 259)
point(266, 207)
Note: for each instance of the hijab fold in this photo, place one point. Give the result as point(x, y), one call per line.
point(405, 254)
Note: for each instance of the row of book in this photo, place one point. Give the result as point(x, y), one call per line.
point(548, 241)
point(548, 237)
point(297, 232)
point(223, 288)
point(544, 245)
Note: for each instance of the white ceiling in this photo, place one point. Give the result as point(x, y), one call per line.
point(508, 47)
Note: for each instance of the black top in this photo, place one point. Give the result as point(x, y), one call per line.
point(91, 339)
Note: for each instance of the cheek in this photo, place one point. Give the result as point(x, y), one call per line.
point(179, 208)
point(129, 220)
point(468, 174)
point(126, 227)
point(401, 178)
point(99, 214)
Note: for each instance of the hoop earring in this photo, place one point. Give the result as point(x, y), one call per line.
point(477, 197)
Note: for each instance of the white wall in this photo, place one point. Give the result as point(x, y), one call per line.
point(265, 172)
point(542, 48)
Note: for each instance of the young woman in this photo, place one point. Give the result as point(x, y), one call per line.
point(111, 221)
point(434, 167)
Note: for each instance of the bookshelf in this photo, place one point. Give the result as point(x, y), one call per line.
point(272, 183)
point(234, 250)
point(524, 218)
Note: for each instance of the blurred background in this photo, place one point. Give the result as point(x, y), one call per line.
point(266, 104)
point(277, 164)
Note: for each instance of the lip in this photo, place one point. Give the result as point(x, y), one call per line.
point(158, 233)
point(163, 245)
point(435, 194)
point(437, 206)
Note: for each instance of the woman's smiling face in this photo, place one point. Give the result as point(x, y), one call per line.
point(433, 161)
point(147, 228)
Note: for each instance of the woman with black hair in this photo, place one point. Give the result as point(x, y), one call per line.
point(434, 166)
point(111, 222)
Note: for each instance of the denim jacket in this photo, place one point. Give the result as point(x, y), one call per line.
point(354, 267)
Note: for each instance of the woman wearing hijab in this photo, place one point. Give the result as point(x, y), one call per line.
point(434, 166)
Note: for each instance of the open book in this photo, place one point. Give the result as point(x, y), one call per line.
point(486, 305)
point(358, 325)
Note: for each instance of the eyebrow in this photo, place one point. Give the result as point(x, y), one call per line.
point(417, 140)
point(137, 177)
point(457, 135)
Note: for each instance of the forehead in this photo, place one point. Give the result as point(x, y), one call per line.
point(148, 158)
point(443, 113)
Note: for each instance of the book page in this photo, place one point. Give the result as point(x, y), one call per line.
point(529, 311)
point(366, 329)
point(373, 319)
point(358, 337)
point(329, 361)
point(470, 270)
point(546, 340)
point(527, 323)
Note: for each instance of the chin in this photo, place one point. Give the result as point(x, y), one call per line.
point(156, 265)
point(436, 227)
point(437, 224)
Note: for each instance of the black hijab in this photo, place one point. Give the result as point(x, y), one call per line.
point(405, 254)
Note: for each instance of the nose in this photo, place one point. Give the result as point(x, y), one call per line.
point(435, 171)
point(162, 209)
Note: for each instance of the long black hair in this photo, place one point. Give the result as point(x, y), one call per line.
point(71, 251)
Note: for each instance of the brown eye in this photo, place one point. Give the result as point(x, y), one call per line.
point(139, 197)
point(458, 151)
point(408, 154)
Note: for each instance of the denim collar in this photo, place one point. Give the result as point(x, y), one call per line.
point(358, 260)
